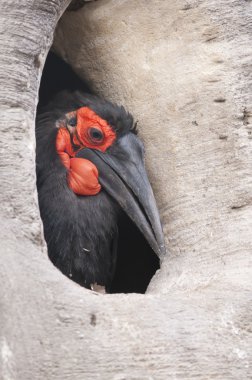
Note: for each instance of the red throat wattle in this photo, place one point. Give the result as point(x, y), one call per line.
point(90, 131)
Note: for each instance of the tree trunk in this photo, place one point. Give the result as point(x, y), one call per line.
point(183, 69)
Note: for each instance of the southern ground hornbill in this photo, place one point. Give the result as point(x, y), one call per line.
point(90, 167)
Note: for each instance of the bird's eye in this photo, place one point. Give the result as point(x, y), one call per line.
point(95, 135)
point(72, 121)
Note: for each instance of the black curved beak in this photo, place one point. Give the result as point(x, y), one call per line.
point(122, 174)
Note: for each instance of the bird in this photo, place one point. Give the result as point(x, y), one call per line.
point(90, 168)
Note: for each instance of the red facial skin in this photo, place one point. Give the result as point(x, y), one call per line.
point(91, 131)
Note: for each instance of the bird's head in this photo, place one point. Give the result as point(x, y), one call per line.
point(105, 134)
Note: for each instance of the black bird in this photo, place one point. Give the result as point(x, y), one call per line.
point(81, 231)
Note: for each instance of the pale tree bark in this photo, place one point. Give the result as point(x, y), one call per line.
point(184, 70)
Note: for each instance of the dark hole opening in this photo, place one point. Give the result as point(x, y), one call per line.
point(136, 261)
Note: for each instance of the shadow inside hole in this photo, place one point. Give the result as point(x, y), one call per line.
point(136, 261)
point(58, 76)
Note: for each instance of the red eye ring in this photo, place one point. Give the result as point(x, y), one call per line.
point(95, 135)
point(92, 131)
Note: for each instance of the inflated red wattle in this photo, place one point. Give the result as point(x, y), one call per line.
point(82, 174)
point(83, 177)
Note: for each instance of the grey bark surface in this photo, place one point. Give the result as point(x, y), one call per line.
point(184, 70)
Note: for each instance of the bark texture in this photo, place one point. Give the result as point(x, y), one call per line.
point(184, 70)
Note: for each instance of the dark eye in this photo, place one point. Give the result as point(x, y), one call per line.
point(72, 121)
point(96, 135)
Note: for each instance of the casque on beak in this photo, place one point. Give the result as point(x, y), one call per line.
point(122, 174)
